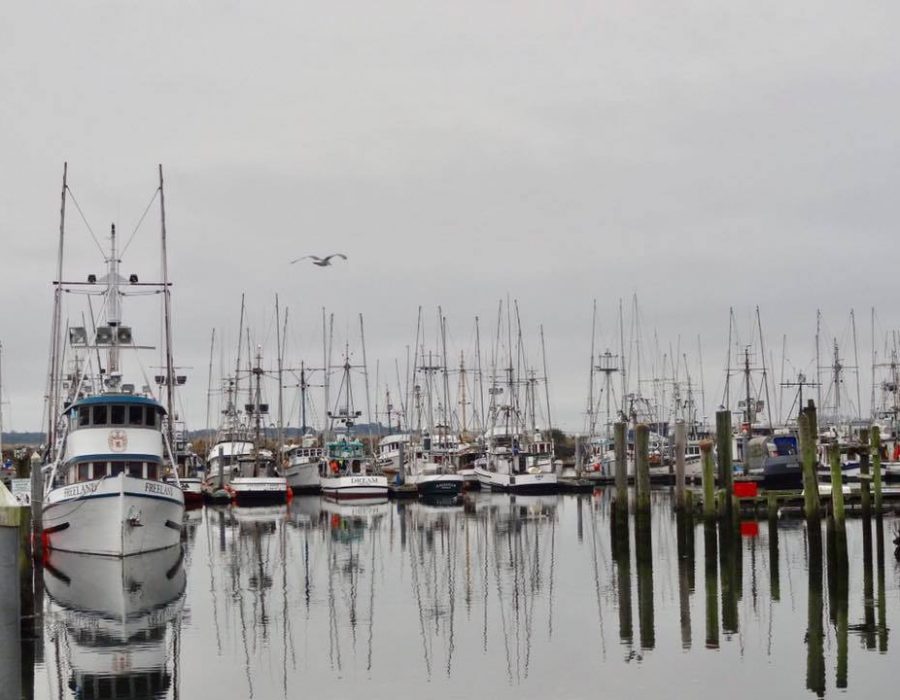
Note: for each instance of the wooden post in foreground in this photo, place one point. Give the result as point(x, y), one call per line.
point(864, 485)
point(709, 486)
point(621, 448)
point(837, 488)
point(808, 464)
point(876, 466)
point(680, 447)
point(725, 457)
point(642, 467)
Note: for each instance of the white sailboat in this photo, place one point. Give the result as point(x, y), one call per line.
point(104, 491)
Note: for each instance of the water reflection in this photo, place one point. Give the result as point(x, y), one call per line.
point(110, 621)
point(340, 598)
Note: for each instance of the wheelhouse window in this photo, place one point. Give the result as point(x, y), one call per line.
point(135, 415)
point(135, 469)
point(116, 468)
point(84, 416)
point(100, 415)
point(150, 416)
point(152, 470)
point(117, 415)
point(84, 471)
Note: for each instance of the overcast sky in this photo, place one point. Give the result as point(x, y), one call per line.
point(700, 155)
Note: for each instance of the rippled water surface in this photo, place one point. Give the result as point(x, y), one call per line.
point(500, 597)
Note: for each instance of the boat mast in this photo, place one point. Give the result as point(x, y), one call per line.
point(112, 311)
point(280, 337)
point(480, 374)
point(56, 330)
point(212, 346)
point(856, 362)
point(257, 407)
point(362, 336)
point(592, 421)
point(445, 373)
point(327, 365)
point(167, 308)
point(818, 361)
point(302, 399)
point(546, 382)
point(237, 367)
point(762, 352)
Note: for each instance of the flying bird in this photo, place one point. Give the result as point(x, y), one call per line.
point(321, 262)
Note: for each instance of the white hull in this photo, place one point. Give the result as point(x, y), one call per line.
point(499, 481)
point(116, 516)
point(259, 488)
point(303, 476)
point(374, 486)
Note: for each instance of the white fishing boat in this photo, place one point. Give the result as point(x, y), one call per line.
point(300, 465)
point(432, 472)
point(517, 463)
point(110, 445)
point(346, 470)
point(237, 462)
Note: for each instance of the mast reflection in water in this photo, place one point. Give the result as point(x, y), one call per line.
point(503, 596)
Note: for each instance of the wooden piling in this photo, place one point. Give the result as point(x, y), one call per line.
point(680, 448)
point(875, 449)
point(808, 464)
point(37, 501)
point(723, 450)
point(837, 488)
point(642, 467)
point(621, 448)
point(709, 486)
point(865, 499)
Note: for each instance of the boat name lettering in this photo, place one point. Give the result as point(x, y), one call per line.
point(152, 487)
point(80, 489)
point(364, 480)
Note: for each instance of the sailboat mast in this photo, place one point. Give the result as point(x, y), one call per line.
point(237, 366)
point(326, 363)
point(302, 399)
point(444, 372)
point(818, 361)
point(167, 313)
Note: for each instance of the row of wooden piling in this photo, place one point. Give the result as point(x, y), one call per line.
point(718, 481)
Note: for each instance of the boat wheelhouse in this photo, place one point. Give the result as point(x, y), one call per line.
point(346, 471)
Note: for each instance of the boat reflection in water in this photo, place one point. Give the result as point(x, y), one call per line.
point(346, 598)
point(110, 621)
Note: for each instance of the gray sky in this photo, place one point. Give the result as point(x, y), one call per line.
point(701, 155)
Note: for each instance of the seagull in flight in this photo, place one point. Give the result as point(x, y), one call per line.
point(321, 262)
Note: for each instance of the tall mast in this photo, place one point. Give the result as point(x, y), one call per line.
point(762, 351)
point(326, 363)
point(622, 355)
point(445, 373)
point(480, 373)
point(818, 361)
point(592, 421)
point(463, 399)
point(362, 336)
point(257, 408)
point(280, 337)
point(112, 308)
point(212, 345)
point(302, 399)
point(167, 307)
point(56, 329)
point(546, 379)
point(237, 366)
point(856, 362)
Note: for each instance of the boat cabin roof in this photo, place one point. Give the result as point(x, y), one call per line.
point(108, 399)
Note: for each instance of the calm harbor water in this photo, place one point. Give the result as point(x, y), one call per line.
point(500, 597)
